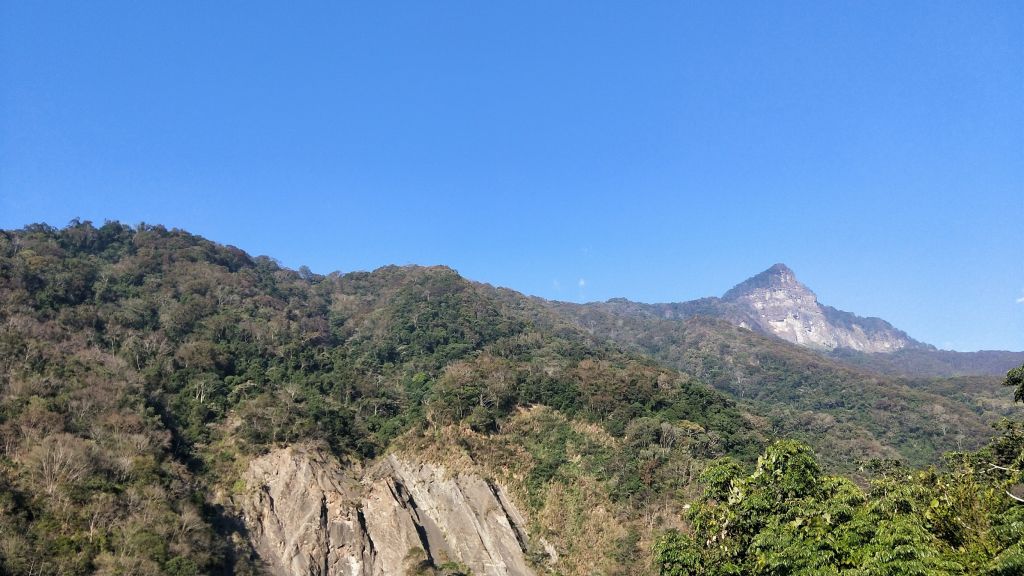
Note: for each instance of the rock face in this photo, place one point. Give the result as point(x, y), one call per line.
point(307, 514)
point(775, 302)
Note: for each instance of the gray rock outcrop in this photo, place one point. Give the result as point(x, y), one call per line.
point(775, 302)
point(307, 514)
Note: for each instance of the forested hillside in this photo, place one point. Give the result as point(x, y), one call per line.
point(848, 414)
point(142, 366)
point(144, 370)
point(940, 363)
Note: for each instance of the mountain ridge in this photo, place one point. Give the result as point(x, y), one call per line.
point(157, 368)
point(776, 304)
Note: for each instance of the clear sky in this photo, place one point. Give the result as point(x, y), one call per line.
point(659, 151)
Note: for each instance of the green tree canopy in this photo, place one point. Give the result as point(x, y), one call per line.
point(1015, 378)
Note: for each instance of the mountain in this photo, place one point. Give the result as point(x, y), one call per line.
point(776, 303)
point(769, 344)
point(848, 414)
point(170, 405)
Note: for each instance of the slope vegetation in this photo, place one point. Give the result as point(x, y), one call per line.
point(157, 391)
point(142, 368)
point(848, 415)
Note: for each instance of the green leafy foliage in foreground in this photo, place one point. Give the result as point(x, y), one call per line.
point(1015, 378)
point(788, 518)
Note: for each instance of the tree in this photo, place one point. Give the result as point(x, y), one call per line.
point(1015, 377)
point(59, 460)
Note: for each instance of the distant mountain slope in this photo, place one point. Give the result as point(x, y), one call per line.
point(939, 363)
point(847, 414)
point(775, 302)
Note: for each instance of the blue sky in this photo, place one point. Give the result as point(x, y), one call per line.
point(660, 151)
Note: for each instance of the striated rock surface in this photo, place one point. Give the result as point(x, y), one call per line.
point(307, 514)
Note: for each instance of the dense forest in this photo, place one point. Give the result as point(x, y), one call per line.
point(141, 367)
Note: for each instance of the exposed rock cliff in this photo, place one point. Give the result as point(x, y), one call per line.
point(307, 514)
point(775, 302)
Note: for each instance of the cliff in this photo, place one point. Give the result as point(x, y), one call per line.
point(308, 514)
point(775, 302)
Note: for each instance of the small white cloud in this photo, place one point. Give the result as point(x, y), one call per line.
point(1020, 300)
point(556, 284)
point(583, 283)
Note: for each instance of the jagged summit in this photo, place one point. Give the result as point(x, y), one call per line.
point(779, 276)
point(775, 302)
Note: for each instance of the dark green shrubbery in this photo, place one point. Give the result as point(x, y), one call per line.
point(788, 518)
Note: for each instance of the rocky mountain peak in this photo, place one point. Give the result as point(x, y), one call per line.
point(775, 302)
point(779, 270)
point(780, 273)
point(778, 277)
